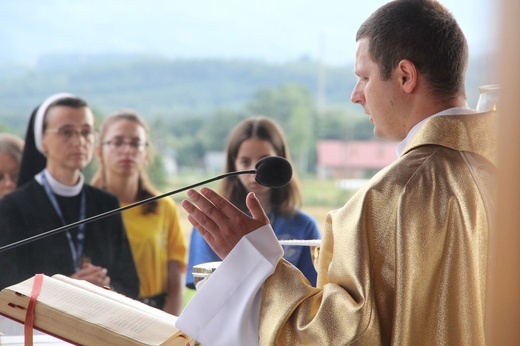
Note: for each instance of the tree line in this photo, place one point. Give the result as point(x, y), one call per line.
point(191, 105)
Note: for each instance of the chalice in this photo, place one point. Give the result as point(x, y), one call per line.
point(201, 272)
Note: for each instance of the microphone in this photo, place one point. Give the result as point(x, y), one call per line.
point(271, 171)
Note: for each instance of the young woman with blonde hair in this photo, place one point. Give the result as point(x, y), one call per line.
point(154, 229)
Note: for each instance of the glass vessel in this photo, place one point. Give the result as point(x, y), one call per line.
point(489, 98)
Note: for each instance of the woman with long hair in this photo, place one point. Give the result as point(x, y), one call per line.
point(153, 228)
point(250, 141)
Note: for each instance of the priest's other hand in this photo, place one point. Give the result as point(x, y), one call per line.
point(219, 222)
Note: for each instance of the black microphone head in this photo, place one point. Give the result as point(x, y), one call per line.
point(273, 171)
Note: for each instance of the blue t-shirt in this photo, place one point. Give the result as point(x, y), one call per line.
point(299, 226)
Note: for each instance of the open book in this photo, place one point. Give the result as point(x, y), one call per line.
point(82, 313)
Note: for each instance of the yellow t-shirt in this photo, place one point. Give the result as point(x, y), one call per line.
point(155, 239)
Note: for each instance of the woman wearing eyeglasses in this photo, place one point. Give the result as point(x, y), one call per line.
point(153, 228)
point(52, 193)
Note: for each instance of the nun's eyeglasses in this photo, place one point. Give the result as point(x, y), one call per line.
point(68, 133)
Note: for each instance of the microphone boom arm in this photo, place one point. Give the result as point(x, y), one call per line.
point(111, 212)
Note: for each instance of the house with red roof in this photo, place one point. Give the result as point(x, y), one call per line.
point(353, 159)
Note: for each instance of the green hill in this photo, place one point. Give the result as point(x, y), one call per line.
point(156, 86)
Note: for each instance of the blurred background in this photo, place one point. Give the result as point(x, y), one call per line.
point(195, 70)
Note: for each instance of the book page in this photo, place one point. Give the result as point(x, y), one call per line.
point(117, 297)
point(68, 309)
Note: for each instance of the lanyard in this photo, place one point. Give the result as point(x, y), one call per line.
point(76, 251)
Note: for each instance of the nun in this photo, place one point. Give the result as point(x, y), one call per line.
point(51, 193)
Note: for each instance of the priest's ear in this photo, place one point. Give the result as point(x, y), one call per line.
point(407, 75)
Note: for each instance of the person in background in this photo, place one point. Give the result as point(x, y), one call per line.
point(59, 143)
point(153, 228)
point(11, 148)
point(404, 261)
point(250, 141)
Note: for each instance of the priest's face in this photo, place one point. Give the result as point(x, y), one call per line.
point(68, 139)
point(380, 98)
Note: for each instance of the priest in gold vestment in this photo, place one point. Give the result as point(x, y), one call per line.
point(404, 261)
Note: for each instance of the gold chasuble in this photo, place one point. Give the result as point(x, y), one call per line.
point(404, 261)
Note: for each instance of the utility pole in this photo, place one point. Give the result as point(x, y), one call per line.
point(322, 77)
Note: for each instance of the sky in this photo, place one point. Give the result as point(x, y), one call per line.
point(267, 30)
